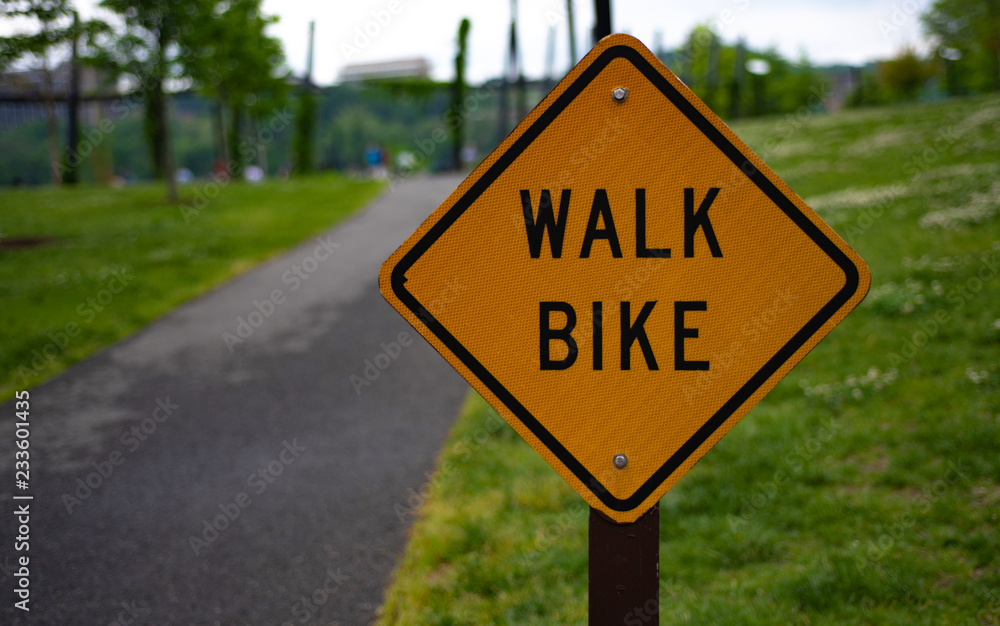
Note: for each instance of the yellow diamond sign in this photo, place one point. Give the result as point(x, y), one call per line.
point(623, 279)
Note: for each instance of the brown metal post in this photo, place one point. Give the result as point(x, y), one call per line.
point(602, 19)
point(625, 570)
point(73, 110)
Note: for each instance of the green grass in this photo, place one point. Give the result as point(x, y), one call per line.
point(864, 489)
point(154, 255)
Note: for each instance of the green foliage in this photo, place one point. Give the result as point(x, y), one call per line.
point(228, 54)
point(345, 120)
point(145, 48)
point(219, 46)
point(905, 74)
point(972, 28)
point(122, 149)
point(868, 90)
point(348, 134)
point(147, 51)
point(55, 29)
point(717, 73)
point(94, 235)
point(404, 89)
point(23, 155)
point(231, 59)
point(305, 130)
point(401, 116)
point(864, 489)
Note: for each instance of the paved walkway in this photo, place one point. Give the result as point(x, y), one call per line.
point(139, 451)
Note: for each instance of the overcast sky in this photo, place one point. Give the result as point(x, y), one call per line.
point(359, 31)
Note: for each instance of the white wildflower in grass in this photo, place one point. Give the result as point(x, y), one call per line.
point(981, 207)
point(970, 124)
point(977, 378)
point(871, 145)
point(792, 148)
point(854, 387)
point(854, 197)
point(960, 171)
point(903, 298)
point(941, 264)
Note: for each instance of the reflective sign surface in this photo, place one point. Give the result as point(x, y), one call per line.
point(623, 279)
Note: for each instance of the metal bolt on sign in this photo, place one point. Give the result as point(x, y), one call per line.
point(619, 94)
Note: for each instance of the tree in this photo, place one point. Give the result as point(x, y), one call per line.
point(971, 27)
point(693, 60)
point(456, 114)
point(306, 116)
point(867, 91)
point(904, 74)
point(148, 51)
point(304, 129)
point(55, 29)
point(232, 60)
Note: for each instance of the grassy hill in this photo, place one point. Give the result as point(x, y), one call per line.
point(865, 489)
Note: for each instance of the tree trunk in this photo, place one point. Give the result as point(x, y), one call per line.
point(161, 117)
point(996, 70)
point(51, 124)
point(260, 147)
point(220, 128)
point(168, 158)
point(158, 133)
point(53, 132)
point(304, 123)
point(235, 132)
point(102, 162)
point(154, 128)
point(73, 160)
point(992, 42)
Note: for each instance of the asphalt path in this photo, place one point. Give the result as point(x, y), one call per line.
point(184, 477)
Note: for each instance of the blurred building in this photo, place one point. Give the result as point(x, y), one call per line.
point(385, 70)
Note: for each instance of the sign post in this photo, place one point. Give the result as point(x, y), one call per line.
point(622, 279)
point(624, 569)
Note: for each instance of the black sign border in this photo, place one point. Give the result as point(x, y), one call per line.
point(852, 278)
